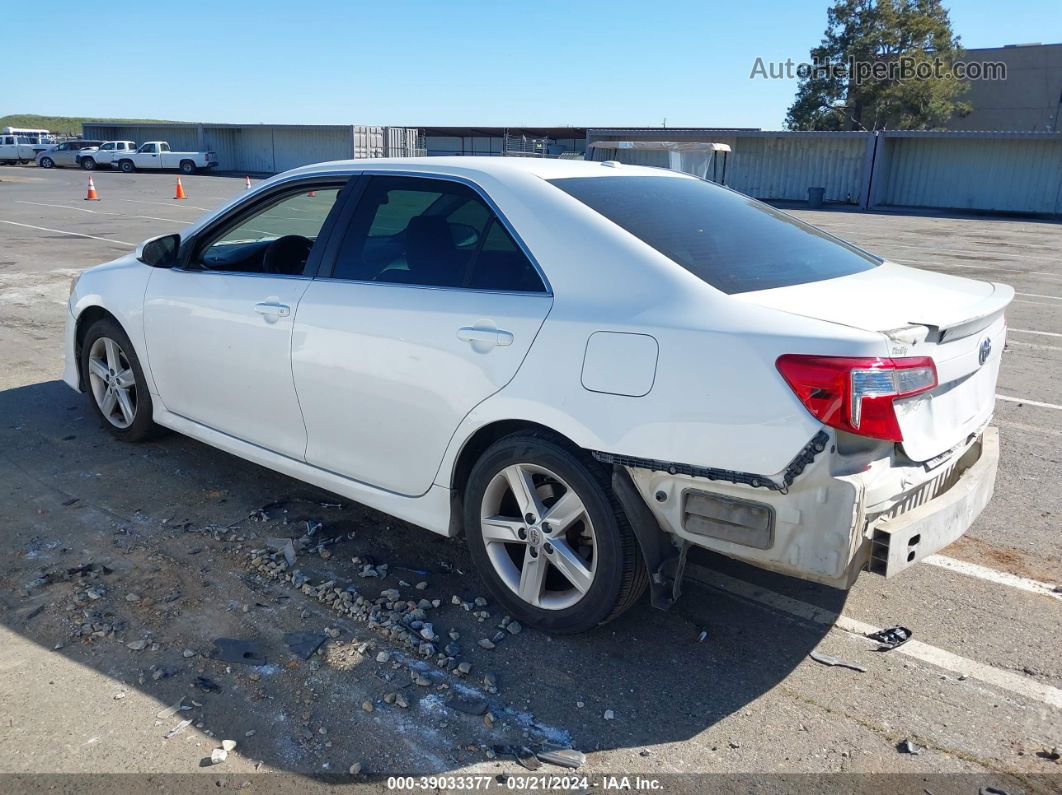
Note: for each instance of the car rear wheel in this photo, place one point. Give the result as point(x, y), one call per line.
point(88, 164)
point(549, 539)
point(127, 166)
point(47, 162)
point(187, 167)
point(112, 377)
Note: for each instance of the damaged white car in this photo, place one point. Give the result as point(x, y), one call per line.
point(583, 368)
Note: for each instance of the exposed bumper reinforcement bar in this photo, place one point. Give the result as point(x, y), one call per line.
point(792, 471)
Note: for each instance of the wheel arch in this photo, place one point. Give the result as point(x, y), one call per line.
point(89, 315)
point(486, 435)
point(656, 546)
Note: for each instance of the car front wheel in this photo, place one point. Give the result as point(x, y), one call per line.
point(88, 164)
point(549, 539)
point(127, 166)
point(114, 381)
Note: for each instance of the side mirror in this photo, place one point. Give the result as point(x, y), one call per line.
point(159, 252)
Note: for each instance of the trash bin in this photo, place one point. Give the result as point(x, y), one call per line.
point(815, 196)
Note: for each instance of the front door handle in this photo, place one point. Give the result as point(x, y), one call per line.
point(491, 337)
point(272, 310)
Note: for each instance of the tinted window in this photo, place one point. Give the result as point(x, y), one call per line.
point(148, 148)
point(408, 230)
point(732, 242)
point(276, 239)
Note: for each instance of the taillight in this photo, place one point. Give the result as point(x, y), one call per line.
point(857, 394)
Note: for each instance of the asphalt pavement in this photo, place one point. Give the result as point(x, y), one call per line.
point(173, 523)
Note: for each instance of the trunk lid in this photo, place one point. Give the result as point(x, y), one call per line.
point(958, 322)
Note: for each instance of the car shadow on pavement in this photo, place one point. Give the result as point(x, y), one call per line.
point(111, 544)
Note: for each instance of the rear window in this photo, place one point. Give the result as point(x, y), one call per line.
point(732, 242)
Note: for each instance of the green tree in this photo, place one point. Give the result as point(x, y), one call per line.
point(916, 34)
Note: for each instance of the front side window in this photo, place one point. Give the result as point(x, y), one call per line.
point(148, 148)
point(107, 147)
point(276, 239)
point(432, 233)
point(732, 242)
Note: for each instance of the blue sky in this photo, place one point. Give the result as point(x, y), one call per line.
point(452, 62)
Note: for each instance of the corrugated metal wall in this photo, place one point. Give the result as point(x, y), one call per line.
point(778, 166)
point(271, 148)
point(223, 142)
point(184, 139)
point(402, 142)
point(783, 168)
point(989, 171)
point(968, 173)
point(446, 145)
point(300, 146)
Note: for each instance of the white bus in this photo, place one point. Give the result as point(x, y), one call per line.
point(30, 136)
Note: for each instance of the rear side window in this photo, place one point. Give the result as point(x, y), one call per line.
point(431, 233)
point(732, 242)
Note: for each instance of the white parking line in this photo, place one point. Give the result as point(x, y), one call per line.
point(165, 204)
point(1038, 295)
point(1033, 345)
point(63, 232)
point(104, 212)
point(967, 252)
point(999, 577)
point(1028, 402)
point(1015, 683)
point(1029, 331)
point(924, 264)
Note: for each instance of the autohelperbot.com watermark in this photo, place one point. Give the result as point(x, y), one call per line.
point(898, 68)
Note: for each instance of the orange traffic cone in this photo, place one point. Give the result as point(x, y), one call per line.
point(180, 190)
point(248, 181)
point(91, 197)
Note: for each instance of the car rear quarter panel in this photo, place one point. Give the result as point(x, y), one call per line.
point(717, 399)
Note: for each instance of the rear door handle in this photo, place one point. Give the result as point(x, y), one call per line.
point(272, 310)
point(485, 336)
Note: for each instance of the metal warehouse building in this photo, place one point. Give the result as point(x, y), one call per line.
point(1007, 172)
point(267, 148)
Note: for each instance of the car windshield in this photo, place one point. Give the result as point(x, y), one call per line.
point(732, 242)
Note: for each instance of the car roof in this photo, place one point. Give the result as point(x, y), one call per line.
point(498, 167)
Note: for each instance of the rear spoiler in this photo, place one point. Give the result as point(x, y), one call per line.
point(971, 319)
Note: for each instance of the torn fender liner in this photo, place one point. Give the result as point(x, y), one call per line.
point(791, 473)
point(658, 549)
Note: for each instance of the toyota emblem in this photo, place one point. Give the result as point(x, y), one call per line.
point(985, 351)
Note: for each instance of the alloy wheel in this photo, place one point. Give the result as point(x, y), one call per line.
point(538, 536)
point(113, 382)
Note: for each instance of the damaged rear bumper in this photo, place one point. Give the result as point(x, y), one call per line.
point(899, 539)
point(846, 512)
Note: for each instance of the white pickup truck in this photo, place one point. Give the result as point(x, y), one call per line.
point(107, 154)
point(18, 149)
point(157, 154)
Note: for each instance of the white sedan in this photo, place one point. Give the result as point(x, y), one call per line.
point(584, 368)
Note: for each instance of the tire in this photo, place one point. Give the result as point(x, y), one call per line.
point(607, 563)
point(47, 162)
point(115, 416)
point(88, 164)
point(127, 166)
point(187, 167)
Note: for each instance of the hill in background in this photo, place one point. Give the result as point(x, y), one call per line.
point(62, 125)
